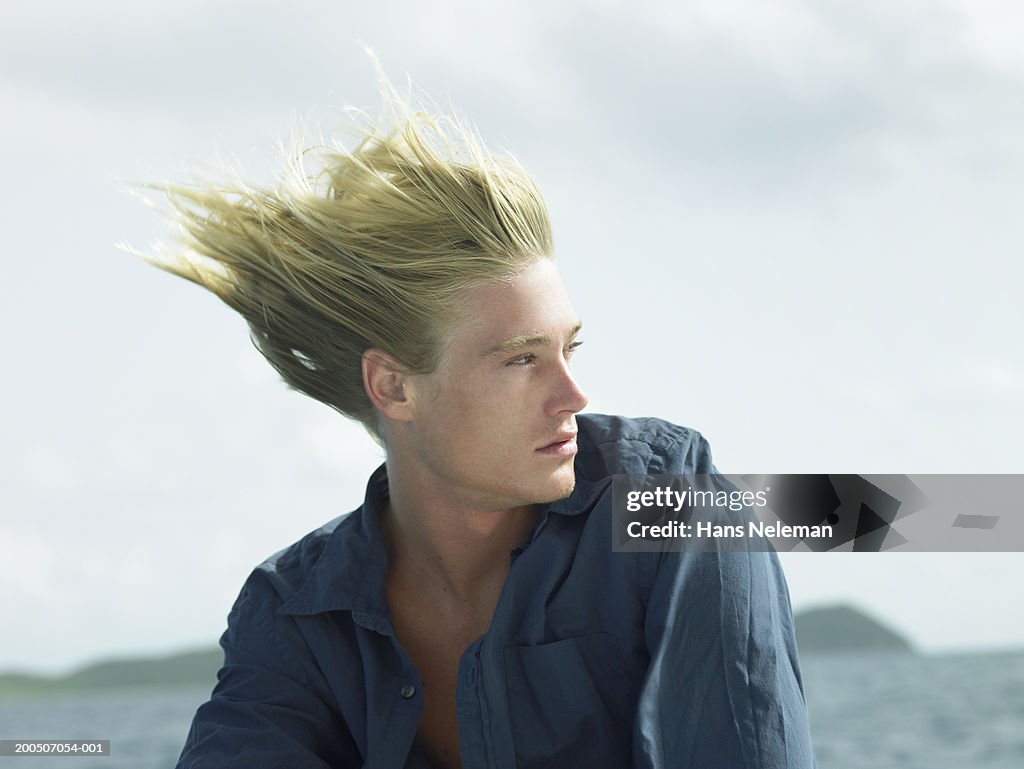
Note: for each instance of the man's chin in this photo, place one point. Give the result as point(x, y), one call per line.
point(562, 486)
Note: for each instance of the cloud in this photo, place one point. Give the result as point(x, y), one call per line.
point(805, 90)
point(209, 59)
point(801, 93)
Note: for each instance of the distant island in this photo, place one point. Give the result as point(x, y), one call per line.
point(187, 668)
point(820, 630)
point(843, 629)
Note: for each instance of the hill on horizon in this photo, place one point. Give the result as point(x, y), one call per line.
point(840, 628)
point(182, 669)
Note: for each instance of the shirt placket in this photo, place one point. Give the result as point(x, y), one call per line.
point(401, 693)
point(472, 739)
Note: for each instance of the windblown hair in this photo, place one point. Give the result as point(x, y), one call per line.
point(372, 250)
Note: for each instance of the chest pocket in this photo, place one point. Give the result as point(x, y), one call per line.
point(571, 704)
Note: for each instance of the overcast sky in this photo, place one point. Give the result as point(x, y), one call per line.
point(792, 225)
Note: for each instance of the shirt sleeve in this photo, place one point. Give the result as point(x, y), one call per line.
point(266, 711)
point(724, 687)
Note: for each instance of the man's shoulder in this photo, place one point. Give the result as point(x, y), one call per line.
point(610, 445)
point(290, 571)
point(306, 551)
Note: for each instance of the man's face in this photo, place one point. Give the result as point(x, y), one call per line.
point(495, 424)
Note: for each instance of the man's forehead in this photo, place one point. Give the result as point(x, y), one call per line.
point(531, 339)
point(532, 307)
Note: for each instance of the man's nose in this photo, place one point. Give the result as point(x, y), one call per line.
point(570, 396)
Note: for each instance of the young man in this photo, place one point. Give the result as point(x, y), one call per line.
point(472, 612)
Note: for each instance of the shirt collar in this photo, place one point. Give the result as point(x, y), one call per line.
point(350, 572)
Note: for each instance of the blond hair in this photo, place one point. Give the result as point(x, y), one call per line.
point(372, 250)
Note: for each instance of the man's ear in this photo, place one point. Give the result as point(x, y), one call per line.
point(387, 385)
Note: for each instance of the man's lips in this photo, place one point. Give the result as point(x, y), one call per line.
point(564, 446)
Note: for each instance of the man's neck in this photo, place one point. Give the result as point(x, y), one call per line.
point(435, 541)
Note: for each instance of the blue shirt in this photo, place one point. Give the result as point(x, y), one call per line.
point(594, 659)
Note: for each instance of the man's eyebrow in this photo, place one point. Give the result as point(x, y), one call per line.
point(516, 343)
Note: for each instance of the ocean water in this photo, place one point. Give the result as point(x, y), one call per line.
point(938, 712)
point(867, 712)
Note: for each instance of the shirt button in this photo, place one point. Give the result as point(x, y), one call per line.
point(408, 691)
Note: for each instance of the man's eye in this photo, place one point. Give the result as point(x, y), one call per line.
point(572, 347)
point(522, 360)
